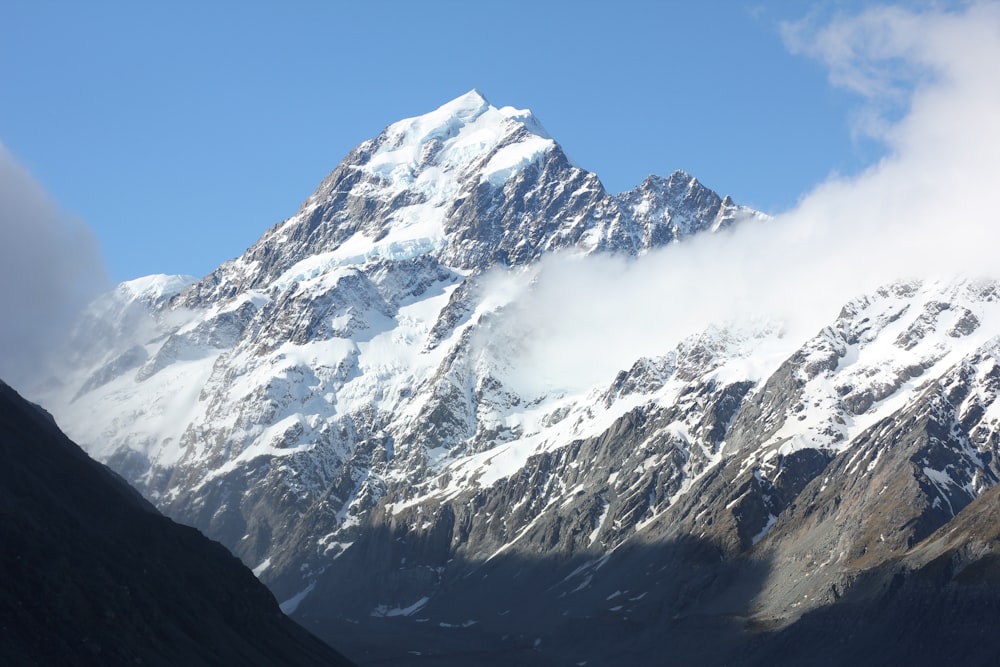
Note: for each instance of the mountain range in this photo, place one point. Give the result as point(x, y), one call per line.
point(344, 407)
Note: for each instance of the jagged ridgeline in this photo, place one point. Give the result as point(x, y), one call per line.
point(336, 407)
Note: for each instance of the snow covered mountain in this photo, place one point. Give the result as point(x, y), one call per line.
point(340, 406)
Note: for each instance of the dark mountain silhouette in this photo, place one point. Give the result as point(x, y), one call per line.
point(92, 574)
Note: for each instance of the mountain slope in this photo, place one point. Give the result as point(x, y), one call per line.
point(345, 407)
point(628, 544)
point(937, 604)
point(336, 341)
point(92, 574)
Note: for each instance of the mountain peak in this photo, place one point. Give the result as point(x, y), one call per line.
point(471, 115)
point(470, 185)
point(473, 98)
point(464, 108)
point(474, 104)
point(677, 179)
point(467, 133)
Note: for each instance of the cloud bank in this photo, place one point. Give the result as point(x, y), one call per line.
point(925, 210)
point(50, 266)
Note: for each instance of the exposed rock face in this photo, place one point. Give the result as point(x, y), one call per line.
point(738, 534)
point(93, 574)
point(471, 186)
point(339, 407)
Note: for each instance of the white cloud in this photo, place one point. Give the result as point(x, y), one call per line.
point(927, 209)
point(50, 265)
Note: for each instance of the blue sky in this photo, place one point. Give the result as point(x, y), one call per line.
point(180, 131)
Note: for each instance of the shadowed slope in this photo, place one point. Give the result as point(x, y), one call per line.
point(90, 573)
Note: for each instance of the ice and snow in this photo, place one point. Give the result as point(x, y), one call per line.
point(155, 287)
point(421, 153)
point(771, 520)
point(149, 418)
point(291, 604)
point(428, 157)
point(262, 567)
point(384, 611)
point(599, 523)
point(513, 158)
point(431, 156)
point(899, 350)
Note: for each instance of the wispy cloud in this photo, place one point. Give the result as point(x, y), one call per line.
point(926, 209)
point(50, 266)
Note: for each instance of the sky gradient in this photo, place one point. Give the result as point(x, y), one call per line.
point(179, 132)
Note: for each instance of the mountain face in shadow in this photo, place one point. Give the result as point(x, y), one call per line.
point(90, 573)
point(937, 604)
point(685, 601)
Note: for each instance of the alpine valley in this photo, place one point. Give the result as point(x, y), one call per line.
point(344, 407)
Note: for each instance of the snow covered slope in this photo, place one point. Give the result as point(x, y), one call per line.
point(340, 406)
point(340, 353)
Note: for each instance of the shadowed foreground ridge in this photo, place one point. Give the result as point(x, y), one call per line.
point(91, 574)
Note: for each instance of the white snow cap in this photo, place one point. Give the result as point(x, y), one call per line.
point(154, 287)
point(455, 136)
point(448, 119)
point(461, 144)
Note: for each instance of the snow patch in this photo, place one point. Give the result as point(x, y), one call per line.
point(512, 159)
point(260, 569)
point(155, 287)
point(291, 604)
point(384, 611)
